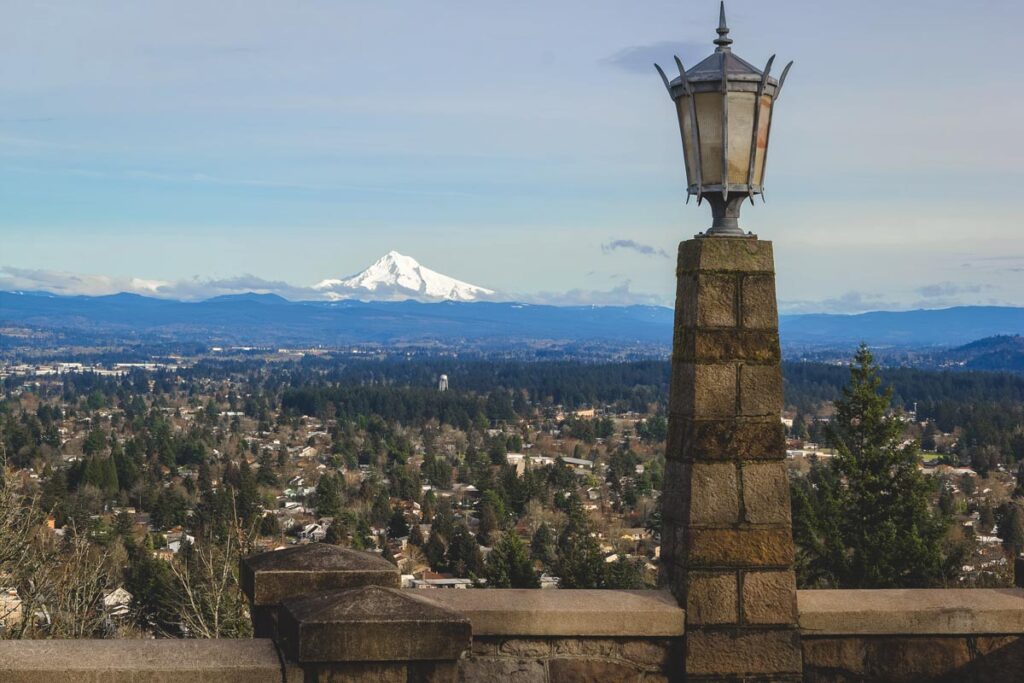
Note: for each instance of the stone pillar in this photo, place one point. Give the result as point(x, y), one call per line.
point(727, 542)
point(373, 635)
point(270, 578)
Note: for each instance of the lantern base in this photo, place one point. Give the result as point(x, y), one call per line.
point(725, 215)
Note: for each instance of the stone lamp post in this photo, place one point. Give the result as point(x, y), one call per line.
point(725, 109)
point(727, 542)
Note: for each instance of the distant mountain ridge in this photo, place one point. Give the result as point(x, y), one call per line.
point(268, 318)
point(917, 328)
point(1003, 353)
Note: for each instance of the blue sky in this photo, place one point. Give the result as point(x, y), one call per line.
point(527, 147)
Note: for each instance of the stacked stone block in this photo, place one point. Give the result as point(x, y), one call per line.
point(727, 543)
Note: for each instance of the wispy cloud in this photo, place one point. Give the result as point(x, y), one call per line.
point(948, 289)
point(850, 302)
point(620, 295)
point(641, 58)
point(194, 289)
point(645, 249)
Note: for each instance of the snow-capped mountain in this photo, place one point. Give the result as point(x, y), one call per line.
point(395, 277)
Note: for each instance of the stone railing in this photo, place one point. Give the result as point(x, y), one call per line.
point(325, 613)
point(970, 635)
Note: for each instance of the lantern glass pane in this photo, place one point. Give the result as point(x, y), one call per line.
point(709, 122)
point(741, 135)
point(763, 123)
point(689, 141)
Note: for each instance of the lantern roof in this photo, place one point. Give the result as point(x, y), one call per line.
point(722, 63)
point(725, 62)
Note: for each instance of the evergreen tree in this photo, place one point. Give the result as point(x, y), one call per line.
point(624, 574)
point(444, 521)
point(1011, 527)
point(542, 545)
point(265, 475)
point(488, 523)
point(580, 562)
point(416, 536)
point(463, 557)
point(328, 496)
point(397, 526)
point(509, 565)
point(864, 519)
point(434, 550)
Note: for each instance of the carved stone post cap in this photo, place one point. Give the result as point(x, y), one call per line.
point(370, 623)
point(271, 577)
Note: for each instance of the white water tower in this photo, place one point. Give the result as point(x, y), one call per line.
point(442, 383)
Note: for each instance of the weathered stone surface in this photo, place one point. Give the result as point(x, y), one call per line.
point(270, 577)
point(742, 652)
point(525, 648)
point(362, 672)
point(650, 654)
point(675, 494)
point(370, 624)
point(741, 254)
point(704, 390)
point(834, 654)
point(714, 493)
point(901, 659)
point(760, 390)
point(720, 346)
point(493, 669)
point(582, 670)
point(686, 298)
point(766, 493)
point(769, 597)
point(758, 308)
point(716, 300)
point(129, 661)
point(433, 672)
point(712, 598)
point(725, 439)
point(483, 646)
point(589, 647)
point(912, 611)
point(741, 547)
point(572, 613)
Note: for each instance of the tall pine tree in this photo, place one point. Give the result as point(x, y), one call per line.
point(864, 519)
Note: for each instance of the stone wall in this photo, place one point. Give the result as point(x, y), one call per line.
point(553, 660)
point(875, 636)
point(902, 659)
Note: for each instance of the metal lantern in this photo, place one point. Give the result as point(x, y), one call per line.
point(725, 109)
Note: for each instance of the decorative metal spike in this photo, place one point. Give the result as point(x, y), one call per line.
point(768, 68)
point(687, 198)
point(723, 41)
point(682, 74)
point(782, 80)
point(664, 78)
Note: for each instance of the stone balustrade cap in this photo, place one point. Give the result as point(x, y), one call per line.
point(371, 623)
point(565, 613)
point(920, 611)
point(271, 577)
point(136, 660)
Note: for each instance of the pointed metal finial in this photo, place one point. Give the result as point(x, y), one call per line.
point(723, 41)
